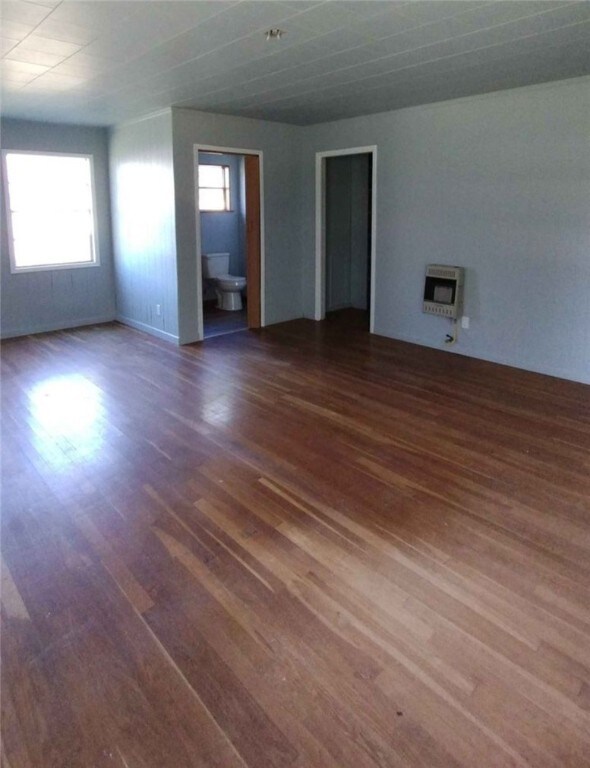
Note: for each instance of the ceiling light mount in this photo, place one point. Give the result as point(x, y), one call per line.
point(274, 34)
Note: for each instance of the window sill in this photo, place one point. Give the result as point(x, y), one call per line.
point(52, 267)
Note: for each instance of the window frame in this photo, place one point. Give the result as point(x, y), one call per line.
point(14, 268)
point(226, 188)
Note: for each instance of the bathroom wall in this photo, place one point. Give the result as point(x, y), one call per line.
point(33, 302)
point(347, 231)
point(499, 184)
point(220, 230)
point(144, 229)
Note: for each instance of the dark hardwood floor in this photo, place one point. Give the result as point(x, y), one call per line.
point(303, 546)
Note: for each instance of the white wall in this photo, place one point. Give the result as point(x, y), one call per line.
point(499, 184)
point(33, 302)
point(144, 229)
point(282, 215)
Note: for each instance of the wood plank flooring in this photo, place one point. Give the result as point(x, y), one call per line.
point(303, 546)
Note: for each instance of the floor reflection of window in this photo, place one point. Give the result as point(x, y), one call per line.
point(66, 419)
point(220, 410)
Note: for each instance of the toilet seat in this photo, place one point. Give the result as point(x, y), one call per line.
point(230, 283)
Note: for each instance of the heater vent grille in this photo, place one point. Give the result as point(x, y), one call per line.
point(449, 272)
point(443, 290)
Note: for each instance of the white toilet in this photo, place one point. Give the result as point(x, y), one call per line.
point(228, 287)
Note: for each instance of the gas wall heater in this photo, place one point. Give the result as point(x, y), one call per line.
point(443, 290)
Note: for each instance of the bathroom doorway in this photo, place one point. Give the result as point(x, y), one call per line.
point(229, 239)
point(345, 234)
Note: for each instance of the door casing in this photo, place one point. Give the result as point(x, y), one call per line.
point(320, 228)
point(250, 167)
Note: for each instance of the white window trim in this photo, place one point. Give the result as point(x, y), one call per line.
point(14, 269)
point(226, 189)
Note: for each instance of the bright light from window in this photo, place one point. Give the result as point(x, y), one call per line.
point(67, 418)
point(51, 205)
point(214, 188)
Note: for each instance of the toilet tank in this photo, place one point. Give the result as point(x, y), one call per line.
point(215, 264)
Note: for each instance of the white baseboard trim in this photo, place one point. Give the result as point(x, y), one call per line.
point(62, 325)
point(147, 329)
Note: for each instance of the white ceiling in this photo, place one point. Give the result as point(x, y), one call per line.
point(101, 61)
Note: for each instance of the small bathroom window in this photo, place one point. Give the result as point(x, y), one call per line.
point(214, 191)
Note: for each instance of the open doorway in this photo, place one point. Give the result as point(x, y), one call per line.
point(345, 234)
point(230, 247)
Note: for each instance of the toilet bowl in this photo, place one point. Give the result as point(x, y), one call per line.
point(227, 287)
point(229, 291)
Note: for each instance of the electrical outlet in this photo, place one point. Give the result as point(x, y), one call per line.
point(465, 322)
point(158, 309)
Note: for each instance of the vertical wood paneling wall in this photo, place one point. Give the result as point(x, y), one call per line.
point(142, 199)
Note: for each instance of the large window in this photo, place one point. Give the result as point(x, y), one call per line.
point(51, 211)
point(214, 193)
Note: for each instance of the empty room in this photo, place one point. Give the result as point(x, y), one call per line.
point(295, 380)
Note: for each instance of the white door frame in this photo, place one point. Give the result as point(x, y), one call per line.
point(320, 228)
point(227, 151)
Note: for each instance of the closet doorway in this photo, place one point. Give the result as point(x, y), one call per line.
point(345, 233)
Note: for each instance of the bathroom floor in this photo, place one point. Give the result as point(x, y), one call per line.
point(219, 321)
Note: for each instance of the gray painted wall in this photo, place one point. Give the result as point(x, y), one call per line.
point(347, 226)
point(220, 230)
point(281, 182)
point(499, 184)
point(144, 234)
point(33, 302)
